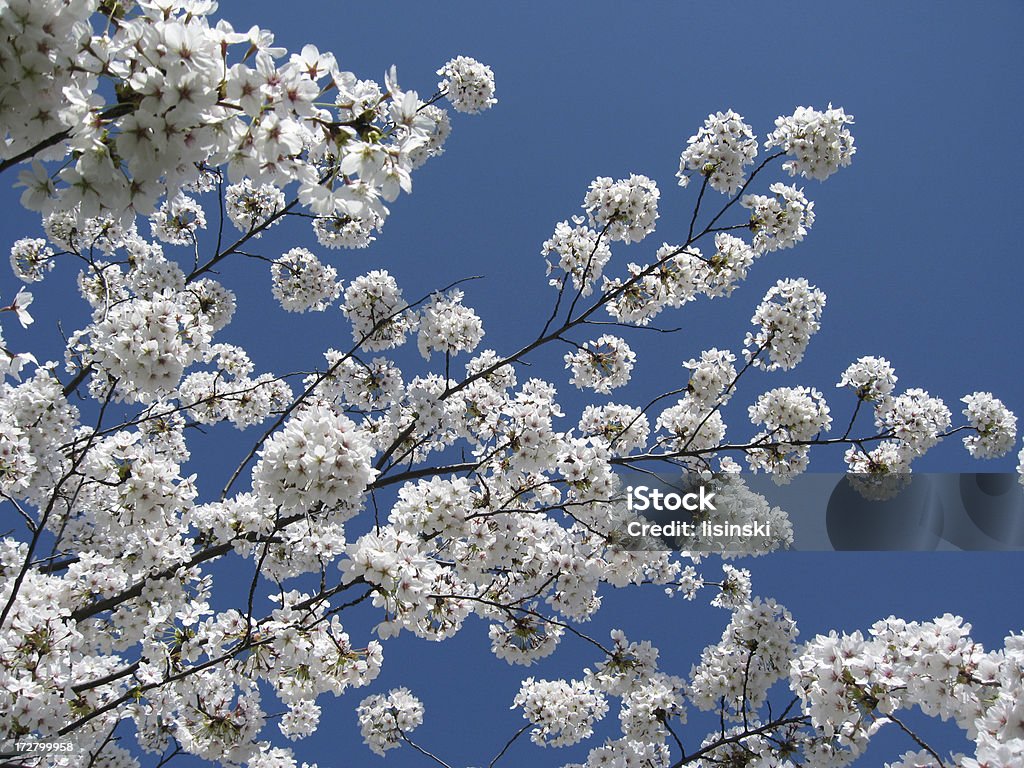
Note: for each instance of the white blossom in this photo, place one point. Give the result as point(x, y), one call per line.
point(447, 325)
point(787, 317)
point(602, 364)
point(626, 209)
point(250, 206)
point(344, 231)
point(178, 220)
point(302, 282)
point(378, 313)
point(916, 419)
point(31, 259)
point(319, 458)
point(754, 652)
point(818, 143)
point(624, 428)
point(712, 378)
point(384, 720)
point(719, 151)
point(995, 424)
point(468, 83)
point(779, 221)
point(581, 251)
point(791, 413)
point(563, 713)
point(872, 378)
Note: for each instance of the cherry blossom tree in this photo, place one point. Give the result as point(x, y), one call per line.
point(143, 133)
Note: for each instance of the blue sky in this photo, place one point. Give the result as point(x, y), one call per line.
point(916, 245)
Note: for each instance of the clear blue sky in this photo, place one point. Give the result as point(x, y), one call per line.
point(916, 245)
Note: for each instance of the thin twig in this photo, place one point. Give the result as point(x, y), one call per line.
point(508, 744)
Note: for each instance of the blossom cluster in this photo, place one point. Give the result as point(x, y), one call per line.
point(719, 151)
point(385, 720)
point(581, 253)
point(781, 220)
point(602, 365)
point(320, 458)
point(995, 424)
point(788, 316)
point(819, 143)
point(192, 95)
point(872, 378)
point(916, 419)
point(563, 713)
point(469, 84)
point(250, 206)
point(850, 684)
point(447, 325)
point(626, 209)
point(754, 652)
point(302, 282)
